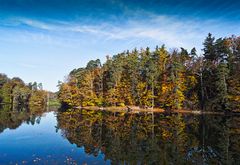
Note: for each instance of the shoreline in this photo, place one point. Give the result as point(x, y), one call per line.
point(148, 110)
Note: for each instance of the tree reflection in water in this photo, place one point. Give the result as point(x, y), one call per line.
point(148, 138)
point(12, 119)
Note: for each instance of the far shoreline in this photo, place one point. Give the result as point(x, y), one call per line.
point(149, 110)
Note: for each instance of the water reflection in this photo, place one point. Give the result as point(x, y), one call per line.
point(13, 119)
point(32, 138)
point(148, 138)
point(103, 137)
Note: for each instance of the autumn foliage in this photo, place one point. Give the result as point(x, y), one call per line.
point(175, 79)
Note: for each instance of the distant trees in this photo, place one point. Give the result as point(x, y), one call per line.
point(173, 79)
point(17, 95)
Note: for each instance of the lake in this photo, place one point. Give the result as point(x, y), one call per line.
point(103, 137)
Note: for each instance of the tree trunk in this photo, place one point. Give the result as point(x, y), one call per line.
point(202, 91)
point(153, 95)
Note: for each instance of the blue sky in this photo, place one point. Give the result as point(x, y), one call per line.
point(43, 40)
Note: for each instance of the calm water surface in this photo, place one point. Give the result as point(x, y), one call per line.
point(100, 137)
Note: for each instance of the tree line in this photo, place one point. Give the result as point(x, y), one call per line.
point(16, 95)
point(174, 79)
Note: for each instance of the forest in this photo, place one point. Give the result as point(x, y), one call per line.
point(16, 95)
point(169, 79)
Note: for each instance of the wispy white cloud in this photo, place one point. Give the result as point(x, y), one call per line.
point(37, 24)
point(160, 29)
point(65, 45)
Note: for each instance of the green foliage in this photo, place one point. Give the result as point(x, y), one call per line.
point(37, 99)
point(219, 79)
point(16, 95)
point(6, 91)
